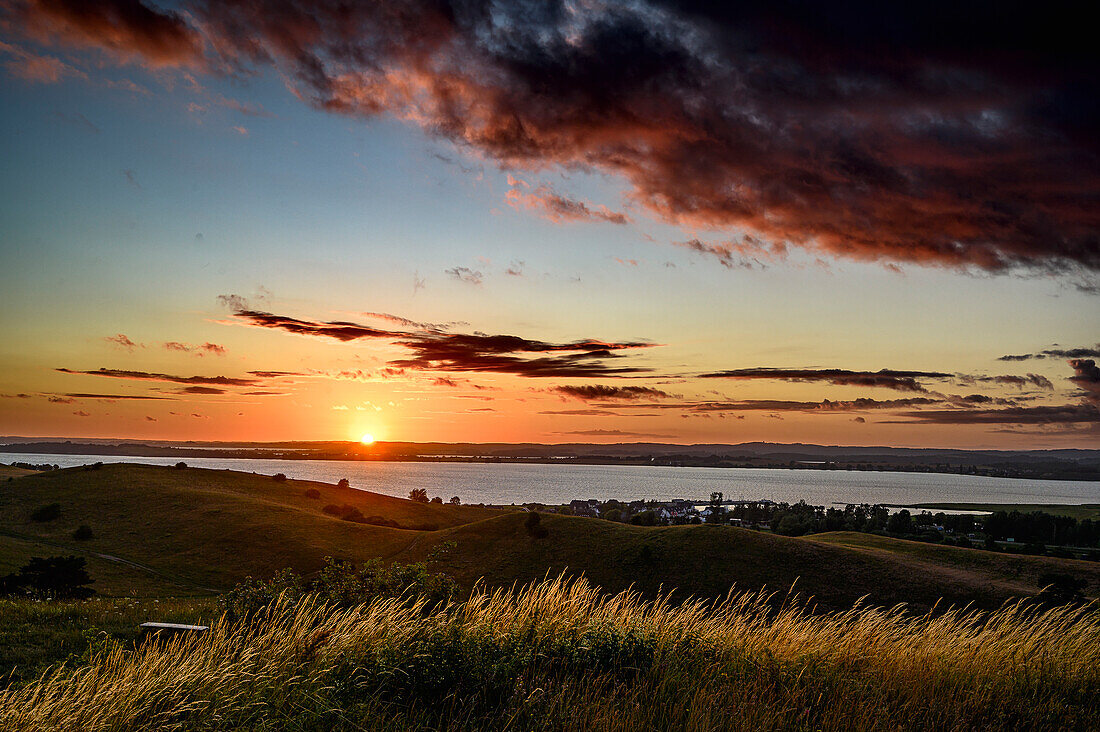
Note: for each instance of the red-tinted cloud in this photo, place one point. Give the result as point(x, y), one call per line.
point(929, 132)
point(433, 350)
point(122, 341)
point(198, 350)
point(126, 29)
point(589, 392)
point(560, 209)
point(886, 378)
point(148, 376)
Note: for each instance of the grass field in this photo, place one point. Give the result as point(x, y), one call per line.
point(160, 531)
point(1083, 511)
point(564, 656)
point(558, 656)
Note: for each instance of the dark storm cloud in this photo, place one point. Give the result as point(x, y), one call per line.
point(433, 350)
point(1093, 352)
point(148, 376)
point(942, 133)
point(588, 392)
point(886, 378)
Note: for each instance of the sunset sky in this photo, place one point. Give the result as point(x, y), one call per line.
point(549, 222)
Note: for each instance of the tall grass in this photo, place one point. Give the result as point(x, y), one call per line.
point(560, 655)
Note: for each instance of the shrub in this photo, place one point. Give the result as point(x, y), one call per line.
point(534, 527)
point(381, 521)
point(455, 500)
point(313, 493)
point(332, 509)
point(181, 465)
point(343, 483)
point(58, 578)
point(419, 495)
point(341, 583)
point(46, 513)
point(279, 477)
point(437, 500)
point(83, 533)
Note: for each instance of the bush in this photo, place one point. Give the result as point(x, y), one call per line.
point(419, 495)
point(455, 500)
point(279, 477)
point(343, 483)
point(313, 493)
point(46, 513)
point(341, 583)
point(332, 509)
point(58, 578)
point(381, 521)
point(438, 500)
point(533, 524)
point(83, 533)
point(181, 465)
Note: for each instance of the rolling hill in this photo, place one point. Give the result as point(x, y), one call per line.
point(162, 531)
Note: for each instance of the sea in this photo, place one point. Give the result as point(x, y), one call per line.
point(516, 483)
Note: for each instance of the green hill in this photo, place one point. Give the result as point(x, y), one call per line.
point(205, 530)
point(161, 531)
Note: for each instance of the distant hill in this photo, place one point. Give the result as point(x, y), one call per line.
point(165, 531)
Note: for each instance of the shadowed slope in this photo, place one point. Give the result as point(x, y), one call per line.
point(708, 560)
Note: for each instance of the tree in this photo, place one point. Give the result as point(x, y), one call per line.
point(438, 500)
point(900, 523)
point(59, 578)
point(455, 500)
point(279, 477)
point(179, 466)
point(533, 524)
point(717, 513)
point(343, 483)
point(419, 495)
point(83, 533)
point(313, 493)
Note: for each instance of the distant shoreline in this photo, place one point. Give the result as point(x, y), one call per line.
point(1077, 465)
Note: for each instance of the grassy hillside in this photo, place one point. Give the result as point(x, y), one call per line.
point(205, 530)
point(163, 531)
point(8, 471)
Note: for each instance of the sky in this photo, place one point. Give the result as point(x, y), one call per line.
point(252, 220)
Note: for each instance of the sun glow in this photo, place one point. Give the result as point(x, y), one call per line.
point(367, 439)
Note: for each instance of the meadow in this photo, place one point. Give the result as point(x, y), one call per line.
point(583, 624)
point(563, 655)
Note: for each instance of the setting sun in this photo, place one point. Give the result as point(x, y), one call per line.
point(367, 439)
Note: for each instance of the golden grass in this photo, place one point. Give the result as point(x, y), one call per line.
point(560, 655)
